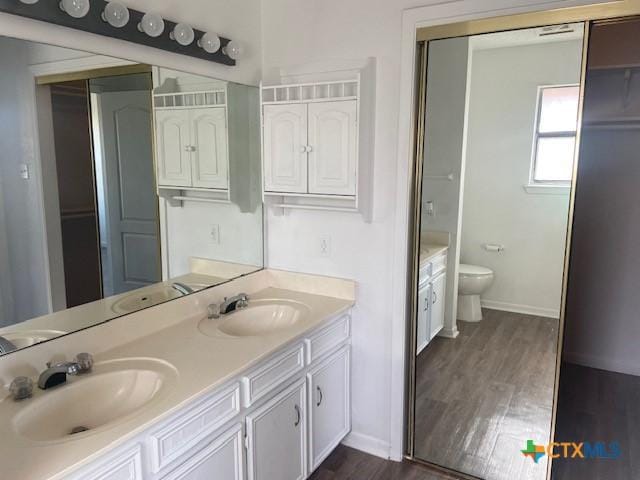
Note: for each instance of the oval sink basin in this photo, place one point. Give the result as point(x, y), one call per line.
point(148, 298)
point(86, 404)
point(27, 338)
point(261, 317)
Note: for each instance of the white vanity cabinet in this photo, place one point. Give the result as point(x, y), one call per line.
point(431, 298)
point(311, 148)
point(192, 148)
point(278, 420)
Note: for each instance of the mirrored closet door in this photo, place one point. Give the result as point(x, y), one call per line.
point(497, 162)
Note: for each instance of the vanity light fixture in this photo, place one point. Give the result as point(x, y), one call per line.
point(75, 8)
point(210, 42)
point(233, 49)
point(152, 24)
point(183, 34)
point(115, 14)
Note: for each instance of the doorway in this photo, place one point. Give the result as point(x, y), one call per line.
point(105, 185)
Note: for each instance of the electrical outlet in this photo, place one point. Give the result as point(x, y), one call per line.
point(325, 246)
point(215, 234)
point(24, 171)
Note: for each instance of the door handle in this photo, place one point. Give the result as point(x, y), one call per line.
point(320, 395)
point(435, 297)
point(298, 416)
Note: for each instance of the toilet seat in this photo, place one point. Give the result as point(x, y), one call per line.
point(474, 270)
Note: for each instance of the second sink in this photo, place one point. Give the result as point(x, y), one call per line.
point(261, 317)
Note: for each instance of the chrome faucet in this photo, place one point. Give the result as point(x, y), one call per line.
point(228, 305)
point(183, 288)
point(6, 346)
point(56, 374)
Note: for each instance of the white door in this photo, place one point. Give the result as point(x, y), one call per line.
point(221, 459)
point(329, 406)
point(333, 149)
point(423, 317)
point(209, 148)
point(133, 245)
point(437, 304)
point(173, 145)
point(285, 148)
point(277, 437)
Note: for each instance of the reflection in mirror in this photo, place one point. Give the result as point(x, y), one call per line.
point(500, 129)
point(122, 186)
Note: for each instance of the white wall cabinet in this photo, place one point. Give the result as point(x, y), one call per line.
point(311, 148)
point(277, 437)
point(296, 410)
point(172, 146)
point(285, 148)
point(329, 406)
point(192, 148)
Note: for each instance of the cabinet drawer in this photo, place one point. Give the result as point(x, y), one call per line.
point(273, 373)
point(201, 419)
point(439, 264)
point(123, 465)
point(327, 339)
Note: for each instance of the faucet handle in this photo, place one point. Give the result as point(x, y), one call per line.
point(21, 388)
point(213, 311)
point(84, 362)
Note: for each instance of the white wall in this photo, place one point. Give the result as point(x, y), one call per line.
point(497, 209)
point(443, 153)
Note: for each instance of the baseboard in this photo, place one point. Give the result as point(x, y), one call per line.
point(367, 444)
point(601, 363)
point(525, 309)
point(449, 332)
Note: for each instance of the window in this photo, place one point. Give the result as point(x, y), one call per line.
point(555, 136)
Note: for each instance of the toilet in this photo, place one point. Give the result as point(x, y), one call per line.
point(473, 281)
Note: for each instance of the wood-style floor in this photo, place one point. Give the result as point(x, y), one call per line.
point(598, 406)
point(481, 396)
point(349, 464)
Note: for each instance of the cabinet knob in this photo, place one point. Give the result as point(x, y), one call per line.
point(189, 148)
point(303, 149)
point(309, 149)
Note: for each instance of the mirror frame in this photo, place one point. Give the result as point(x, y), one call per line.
point(587, 14)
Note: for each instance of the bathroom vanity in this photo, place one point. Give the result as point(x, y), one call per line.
point(259, 393)
point(431, 292)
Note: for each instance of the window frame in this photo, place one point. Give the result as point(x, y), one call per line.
point(537, 135)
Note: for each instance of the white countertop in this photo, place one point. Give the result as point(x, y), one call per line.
point(203, 363)
point(428, 251)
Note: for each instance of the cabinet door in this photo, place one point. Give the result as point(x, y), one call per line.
point(329, 406)
point(173, 148)
point(277, 436)
point(438, 290)
point(333, 138)
point(222, 458)
point(424, 317)
point(285, 146)
point(210, 148)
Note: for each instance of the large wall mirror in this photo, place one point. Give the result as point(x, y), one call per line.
point(122, 186)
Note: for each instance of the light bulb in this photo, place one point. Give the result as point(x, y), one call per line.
point(183, 34)
point(233, 50)
point(75, 8)
point(152, 24)
point(29, 2)
point(210, 42)
point(116, 14)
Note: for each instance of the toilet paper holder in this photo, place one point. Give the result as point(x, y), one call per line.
point(493, 247)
